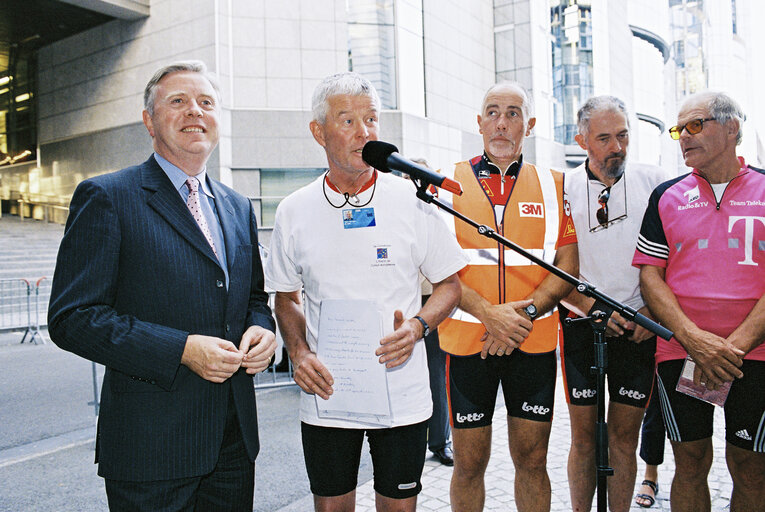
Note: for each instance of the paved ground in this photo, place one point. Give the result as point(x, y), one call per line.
point(47, 430)
point(47, 426)
point(27, 257)
point(499, 480)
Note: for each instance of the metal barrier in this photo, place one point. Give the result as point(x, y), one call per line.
point(20, 306)
point(271, 378)
point(24, 302)
point(51, 212)
point(13, 304)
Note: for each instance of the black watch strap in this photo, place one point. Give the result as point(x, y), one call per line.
point(531, 311)
point(425, 326)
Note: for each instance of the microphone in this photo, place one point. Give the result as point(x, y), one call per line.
point(384, 157)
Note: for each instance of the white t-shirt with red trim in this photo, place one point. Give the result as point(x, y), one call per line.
point(312, 247)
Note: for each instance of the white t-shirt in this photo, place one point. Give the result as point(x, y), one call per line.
point(312, 247)
point(605, 254)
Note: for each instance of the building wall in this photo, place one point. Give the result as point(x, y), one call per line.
point(726, 55)
point(410, 56)
point(270, 55)
point(91, 88)
point(459, 60)
point(541, 149)
point(649, 74)
point(94, 80)
point(523, 55)
point(750, 30)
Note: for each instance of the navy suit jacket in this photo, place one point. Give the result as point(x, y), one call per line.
point(134, 277)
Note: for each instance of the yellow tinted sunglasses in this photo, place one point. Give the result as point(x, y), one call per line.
point(693, 127)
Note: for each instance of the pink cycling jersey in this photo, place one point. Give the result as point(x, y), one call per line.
point(713, 252)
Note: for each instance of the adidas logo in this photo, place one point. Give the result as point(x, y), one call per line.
point(743, 434)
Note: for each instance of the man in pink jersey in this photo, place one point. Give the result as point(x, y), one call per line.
point(701, 253)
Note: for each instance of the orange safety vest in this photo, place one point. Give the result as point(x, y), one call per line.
point(531, 219)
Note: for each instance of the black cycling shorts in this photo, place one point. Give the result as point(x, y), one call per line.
point(332, 458)
point(528, 385)
point(690, 419)
point(630, 367)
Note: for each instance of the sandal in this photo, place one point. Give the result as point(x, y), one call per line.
point(647, 497)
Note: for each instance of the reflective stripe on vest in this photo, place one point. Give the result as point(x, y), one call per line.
point(460, 333)
point(552, 220)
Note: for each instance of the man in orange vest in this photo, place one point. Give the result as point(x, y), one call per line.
point(506, 327)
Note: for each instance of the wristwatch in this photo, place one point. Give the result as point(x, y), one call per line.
point(425, 326)
point(531, 311)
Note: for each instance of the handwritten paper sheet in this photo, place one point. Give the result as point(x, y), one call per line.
point(349, 334)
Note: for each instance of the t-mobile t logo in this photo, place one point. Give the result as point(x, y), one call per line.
point(748, 236)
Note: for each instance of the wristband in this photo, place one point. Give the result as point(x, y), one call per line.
point(425, 326)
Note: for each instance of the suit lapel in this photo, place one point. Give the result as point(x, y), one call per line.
point(228, 222)
point(166, 201)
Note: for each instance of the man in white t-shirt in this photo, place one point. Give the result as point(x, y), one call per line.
point(357, 234)
point(607, 198)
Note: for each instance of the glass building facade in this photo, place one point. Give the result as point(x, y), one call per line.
point(18, 140)
point(372, 45)
point(571, 27)
point(275, 185)
point(687, 23)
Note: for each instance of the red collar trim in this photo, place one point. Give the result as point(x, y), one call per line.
point(366, 186)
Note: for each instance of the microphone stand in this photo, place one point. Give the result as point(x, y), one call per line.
point(598, 317)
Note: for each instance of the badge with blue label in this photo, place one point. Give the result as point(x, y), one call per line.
point(359, 218)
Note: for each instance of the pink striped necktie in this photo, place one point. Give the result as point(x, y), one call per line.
point(196, 210)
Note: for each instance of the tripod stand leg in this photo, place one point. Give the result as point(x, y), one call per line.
point(603, 471)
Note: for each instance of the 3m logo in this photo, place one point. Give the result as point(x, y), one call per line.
point(531, 210)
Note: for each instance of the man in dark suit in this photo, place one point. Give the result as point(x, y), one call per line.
point(159, 279)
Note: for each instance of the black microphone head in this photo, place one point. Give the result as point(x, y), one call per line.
point(376, 153)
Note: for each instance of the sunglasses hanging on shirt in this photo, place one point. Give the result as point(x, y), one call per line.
point(602, 219)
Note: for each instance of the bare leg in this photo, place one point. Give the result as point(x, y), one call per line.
point(472, 448)
point(343, 503)
point(651, 474)
point(690, 491)
point(383, 504)
point(748, 472)
point(581, 456)
point(528, 449)
point(623, 432)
